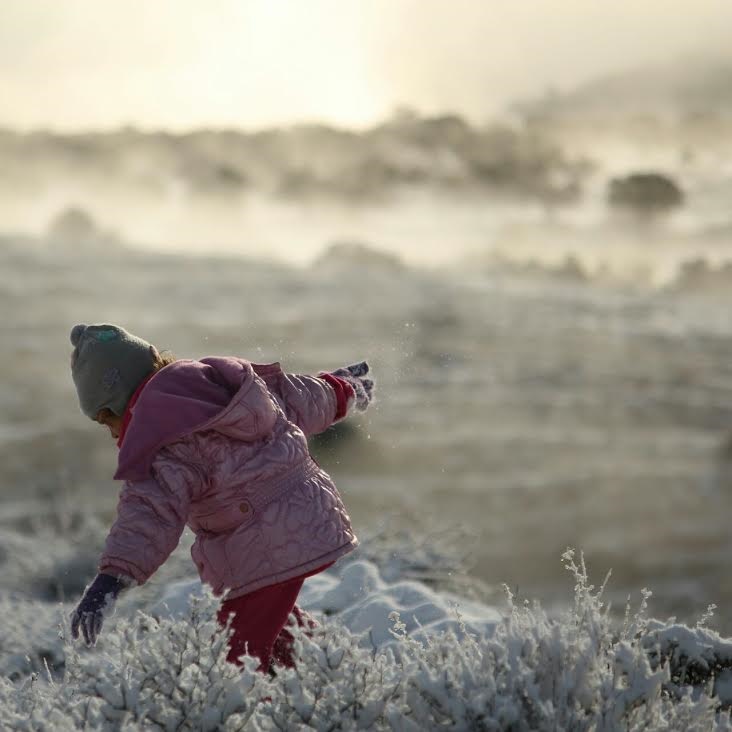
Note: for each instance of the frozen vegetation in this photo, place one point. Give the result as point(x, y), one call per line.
point(391, 652)
point(553, 376)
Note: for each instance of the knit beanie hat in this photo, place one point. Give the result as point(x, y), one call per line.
point(107, 365)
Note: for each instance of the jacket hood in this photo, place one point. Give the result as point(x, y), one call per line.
point(216, 393)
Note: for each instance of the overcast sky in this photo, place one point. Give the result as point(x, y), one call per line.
point(70, 64)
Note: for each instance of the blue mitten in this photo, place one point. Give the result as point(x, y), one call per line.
point(97, 601)
point(363, 388)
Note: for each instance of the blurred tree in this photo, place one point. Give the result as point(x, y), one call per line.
point(73, 225)
point(404, 114)
point(645, 195)
point(559, 188)
point(358, 256)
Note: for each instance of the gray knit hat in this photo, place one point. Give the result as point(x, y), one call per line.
point(107, 366)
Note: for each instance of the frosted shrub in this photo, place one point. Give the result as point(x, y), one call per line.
point(336, 685)
point(59, 570)
point(168, 675)
point(535, 673)
point(577, 672)
point(28, 641)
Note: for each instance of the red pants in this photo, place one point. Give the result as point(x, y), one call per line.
point(259, 623)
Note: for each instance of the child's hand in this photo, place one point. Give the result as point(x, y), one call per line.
point(363, 388)
point(356, 369)
point(98, 599)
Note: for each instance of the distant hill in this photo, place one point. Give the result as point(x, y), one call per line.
point(680, 91)
point(408, 150)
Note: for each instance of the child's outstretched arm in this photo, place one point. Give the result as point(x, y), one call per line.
point(314, 403)
point(151, 516)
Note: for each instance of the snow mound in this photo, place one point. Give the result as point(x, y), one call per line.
point(362, 600)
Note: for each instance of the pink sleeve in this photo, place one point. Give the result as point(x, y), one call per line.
point(313, 403)
point(151, 516)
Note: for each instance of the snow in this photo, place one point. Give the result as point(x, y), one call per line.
point(392, 652)
point(362, 600)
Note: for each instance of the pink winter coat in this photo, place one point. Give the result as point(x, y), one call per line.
point(220, 445)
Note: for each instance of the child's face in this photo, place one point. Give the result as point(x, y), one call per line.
point(110, 420)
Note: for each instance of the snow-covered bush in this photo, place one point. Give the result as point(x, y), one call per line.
point(577, 672)
point(533, 672)
point(537, 673)
point(147, 674)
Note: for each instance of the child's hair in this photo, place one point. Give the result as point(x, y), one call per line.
point(161, 359)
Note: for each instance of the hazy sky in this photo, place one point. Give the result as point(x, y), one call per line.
point(67, 64)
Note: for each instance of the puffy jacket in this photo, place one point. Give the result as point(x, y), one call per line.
point(220, 445)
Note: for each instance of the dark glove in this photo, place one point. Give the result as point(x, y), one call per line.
point(363, 388)
point(98, 600)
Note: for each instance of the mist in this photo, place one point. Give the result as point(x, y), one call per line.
point(518, 214)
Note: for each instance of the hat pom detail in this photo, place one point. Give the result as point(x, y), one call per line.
point(76, 332)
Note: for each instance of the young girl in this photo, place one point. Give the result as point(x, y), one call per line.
point(219, 445)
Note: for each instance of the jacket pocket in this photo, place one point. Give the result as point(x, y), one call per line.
point(225, 518)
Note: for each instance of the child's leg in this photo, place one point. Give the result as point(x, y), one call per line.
point(258, 619)
point(283, 646)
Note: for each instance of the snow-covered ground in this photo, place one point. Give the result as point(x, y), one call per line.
point(45, 567)
point(390, 654)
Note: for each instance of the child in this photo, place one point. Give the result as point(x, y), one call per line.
point(219, 445)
